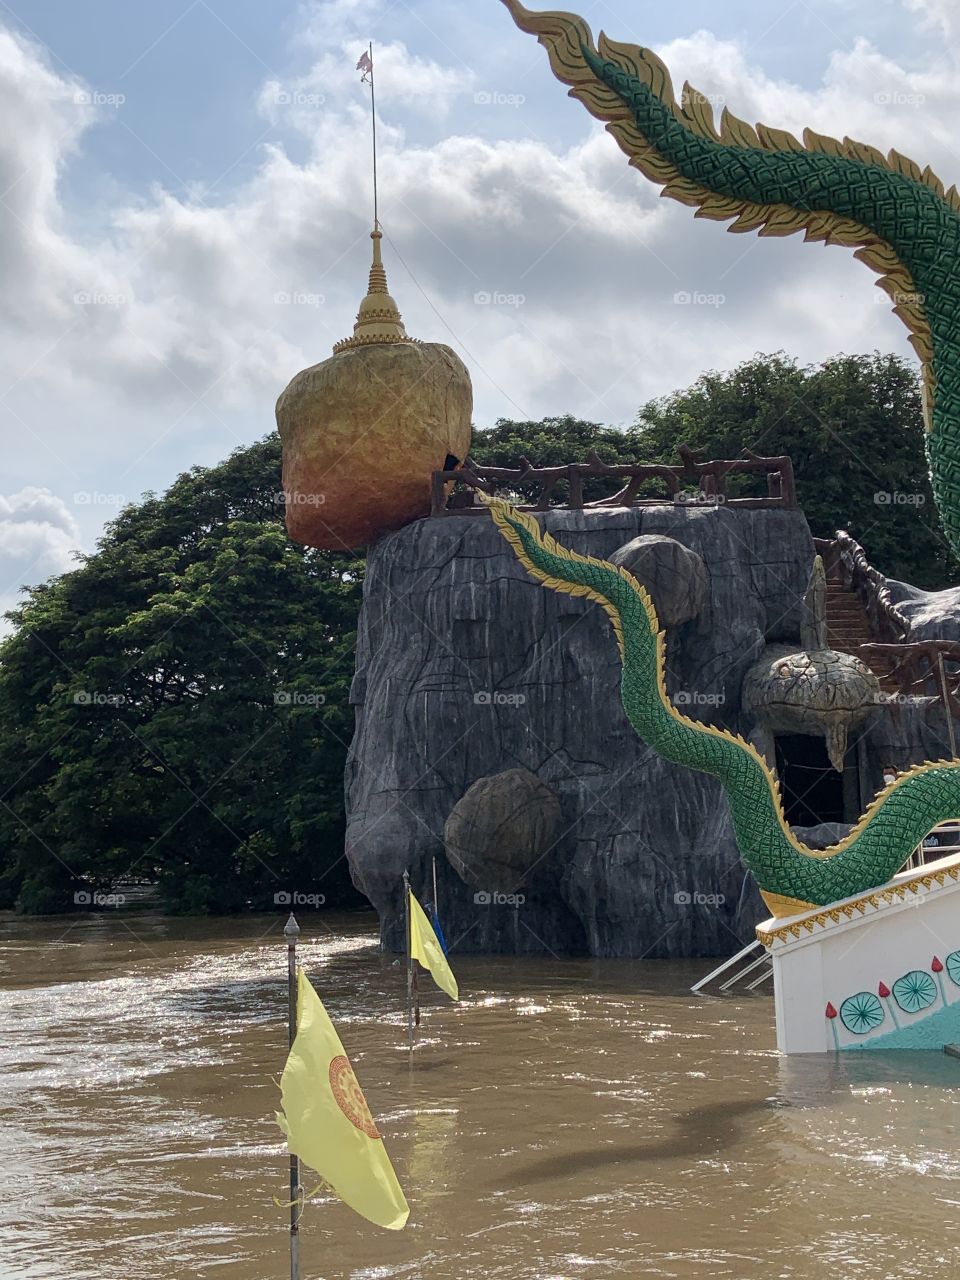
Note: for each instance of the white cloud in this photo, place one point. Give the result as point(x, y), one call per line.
point(327, 22)
point(38, 536)
point(164, 339)
point(864, 94)
point(402, 79)
point(941, 14)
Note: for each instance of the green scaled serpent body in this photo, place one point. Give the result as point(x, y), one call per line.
point(784, 868)
point(904, 225)
point(896, 215)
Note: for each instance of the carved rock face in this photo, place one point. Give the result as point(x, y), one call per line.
point(501, 828)
point(362, 433)
point(817, 692)
point(675, 576)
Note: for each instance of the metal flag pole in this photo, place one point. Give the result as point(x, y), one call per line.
point(436, 900)
point(291, 931)
point(373, 120)
point(406, 903)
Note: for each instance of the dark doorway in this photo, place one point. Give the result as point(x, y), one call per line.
point(812, 788)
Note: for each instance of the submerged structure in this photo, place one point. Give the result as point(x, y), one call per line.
point(487, 707)
point(468, 674)
point(782, 748)
point(907, 227)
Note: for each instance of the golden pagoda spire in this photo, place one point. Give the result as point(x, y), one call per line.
point(378, 320)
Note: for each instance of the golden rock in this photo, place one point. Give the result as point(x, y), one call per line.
point(363, 431)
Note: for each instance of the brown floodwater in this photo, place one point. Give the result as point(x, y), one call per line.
point(569, 1120)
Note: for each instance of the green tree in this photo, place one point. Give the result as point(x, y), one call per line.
point(854, 429)
point(553, 442)
point(177, 707)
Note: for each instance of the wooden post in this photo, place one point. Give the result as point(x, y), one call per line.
point(947, 705)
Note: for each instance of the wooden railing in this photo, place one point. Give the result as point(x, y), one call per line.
point(919, 668)
point(846, 561)
point(452, 491)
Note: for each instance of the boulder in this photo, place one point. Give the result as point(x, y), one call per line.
point(500, 831)
point(362, 432)
point(818, 692)
point(675, 576)
point(932, 615)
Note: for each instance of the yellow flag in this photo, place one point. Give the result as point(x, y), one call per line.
point(327, 1121)
point(425, 947)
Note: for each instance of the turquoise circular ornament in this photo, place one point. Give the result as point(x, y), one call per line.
point(915, 991)
point(861, 1013)
point(953, 967)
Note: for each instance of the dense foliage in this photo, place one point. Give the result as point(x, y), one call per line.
point(177, 707)
point(553, 442)
point(854, 429)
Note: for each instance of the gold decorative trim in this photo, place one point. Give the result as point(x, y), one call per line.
point(371, 340)
point(506, 517)
point(564, 35)
point(886, 895)
point(378, 320)
point(781, 907)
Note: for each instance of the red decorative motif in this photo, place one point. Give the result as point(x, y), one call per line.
point(831, 1011)
point(349, 1096)
point(883, 991)
point(937, 965)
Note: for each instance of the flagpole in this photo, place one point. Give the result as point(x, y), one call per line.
point(291, 932)
point(373, 121)
point(406, 903)
point(436, 917)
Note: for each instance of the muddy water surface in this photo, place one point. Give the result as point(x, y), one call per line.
point(569, 1120)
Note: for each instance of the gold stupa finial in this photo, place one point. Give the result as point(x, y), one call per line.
point(378, 320)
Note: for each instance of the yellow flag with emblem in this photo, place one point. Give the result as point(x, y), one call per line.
point(327, 1121)
point(425, 947)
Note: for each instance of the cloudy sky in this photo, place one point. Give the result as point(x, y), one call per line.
point(185, 210)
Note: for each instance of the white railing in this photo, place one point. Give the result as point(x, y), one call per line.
point(739, 967)
point(933, 847)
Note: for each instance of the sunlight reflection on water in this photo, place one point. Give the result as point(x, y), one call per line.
point(568, 1119)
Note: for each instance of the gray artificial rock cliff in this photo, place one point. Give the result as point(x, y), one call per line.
point(932, 615)
point(471, 678)
point(467, 668)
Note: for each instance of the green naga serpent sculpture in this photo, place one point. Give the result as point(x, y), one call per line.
point(902, 224)
point(791, 876)
point(895, 214)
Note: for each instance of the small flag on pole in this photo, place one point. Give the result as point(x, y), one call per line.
point(327, 1121)
point(425, 947)
point(435, 921)
point(366, 66)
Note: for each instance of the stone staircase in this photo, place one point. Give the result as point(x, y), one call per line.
point(848, 627)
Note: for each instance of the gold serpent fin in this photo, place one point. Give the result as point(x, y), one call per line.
point(563, 35)
point(507, 517)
